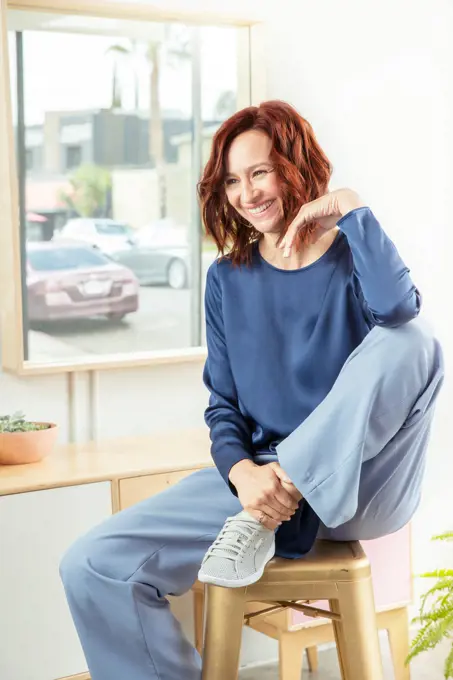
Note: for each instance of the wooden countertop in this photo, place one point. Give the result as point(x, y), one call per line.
point(72, 464)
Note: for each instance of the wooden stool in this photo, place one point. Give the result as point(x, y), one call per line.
point(337, 572)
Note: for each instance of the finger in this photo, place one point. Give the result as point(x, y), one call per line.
point(290, 236)
point(281, 501)
point(282, 495)
point(288, 239)
point(263, 518)
point(280, 472)
point(308, 213)
point(293, 491)
point(277, 510)
point(270, 524)
point(287, 497)
point(274, 510)
point(288, 486)
point(276, 496)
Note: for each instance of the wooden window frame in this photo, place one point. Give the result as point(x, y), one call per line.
point(251, 89)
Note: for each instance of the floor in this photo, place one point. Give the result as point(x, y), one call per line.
point(425, 667)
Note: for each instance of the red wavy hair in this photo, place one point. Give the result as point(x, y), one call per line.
point(301, 166)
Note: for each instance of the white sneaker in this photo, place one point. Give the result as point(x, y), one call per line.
point(239, 554)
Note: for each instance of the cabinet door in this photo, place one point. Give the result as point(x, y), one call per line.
point(37, 638)
point(135, 489)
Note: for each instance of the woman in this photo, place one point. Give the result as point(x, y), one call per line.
point(322, 390)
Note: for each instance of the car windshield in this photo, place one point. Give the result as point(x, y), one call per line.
point(109, 229)
point(65, 258)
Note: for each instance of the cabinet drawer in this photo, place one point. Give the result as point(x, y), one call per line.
point(135, 489)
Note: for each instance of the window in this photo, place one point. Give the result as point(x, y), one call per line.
point(119, 110)
point(73, 157)
point(113, 229)
point(58, 258)
point(29, 159)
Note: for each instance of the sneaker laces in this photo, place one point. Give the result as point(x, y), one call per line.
point(234, 539)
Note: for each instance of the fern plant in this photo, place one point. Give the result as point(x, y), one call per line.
point(436, 620)
point(17, 423)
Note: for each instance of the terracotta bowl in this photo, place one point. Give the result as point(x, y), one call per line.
point(17, 448)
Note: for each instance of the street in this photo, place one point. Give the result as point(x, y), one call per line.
point(161, 322)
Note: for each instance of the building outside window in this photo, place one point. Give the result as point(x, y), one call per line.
point(73, 157)
point(114, 115)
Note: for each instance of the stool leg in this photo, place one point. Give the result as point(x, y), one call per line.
point(398, 632)
point(198, 614)
point(357, 636)
point(223, 632)
point(290, 653)
point(312, 656)
point(339, 639)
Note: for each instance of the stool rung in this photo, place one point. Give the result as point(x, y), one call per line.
point(314, 612)
point(263, 612)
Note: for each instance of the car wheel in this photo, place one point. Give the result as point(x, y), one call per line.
point(177, 274)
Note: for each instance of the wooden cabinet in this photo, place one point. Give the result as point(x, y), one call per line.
point(136, 489)
point(44, 508)
point(38, 640)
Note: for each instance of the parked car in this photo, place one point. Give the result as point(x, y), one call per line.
point(159, 254)
point(155, 254)
point(103, 233)
point(162, 232)
point(70, 280)
point(156, 265)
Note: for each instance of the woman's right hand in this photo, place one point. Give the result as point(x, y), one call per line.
point(265, 491)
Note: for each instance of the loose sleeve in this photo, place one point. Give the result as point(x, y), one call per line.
point(381, 279)
point(230, 434)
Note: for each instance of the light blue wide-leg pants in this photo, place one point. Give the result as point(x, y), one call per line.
point(358, 460)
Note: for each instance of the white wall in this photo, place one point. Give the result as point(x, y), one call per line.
point(374, 80)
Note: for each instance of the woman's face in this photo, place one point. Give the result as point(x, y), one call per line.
point(251, 182)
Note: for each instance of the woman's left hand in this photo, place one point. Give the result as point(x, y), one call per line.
point(326, 211)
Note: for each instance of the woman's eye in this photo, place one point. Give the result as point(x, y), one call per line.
point(256, 173)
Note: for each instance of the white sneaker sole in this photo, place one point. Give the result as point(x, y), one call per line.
point(238, 583)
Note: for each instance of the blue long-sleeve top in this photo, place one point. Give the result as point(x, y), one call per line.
point(277, 339)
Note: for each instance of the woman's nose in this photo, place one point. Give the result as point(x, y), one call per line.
point(247, 193)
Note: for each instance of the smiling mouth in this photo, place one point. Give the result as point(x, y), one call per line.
point(260, 209)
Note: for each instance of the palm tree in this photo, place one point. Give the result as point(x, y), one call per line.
point(156, 132)
point(121, 53)
point(176, 49)
point(225, 105)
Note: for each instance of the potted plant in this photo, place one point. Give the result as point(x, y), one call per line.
point(23, 441)
point(436, 621)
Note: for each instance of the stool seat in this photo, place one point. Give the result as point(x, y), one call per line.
point(326, 561)
point(335, 571)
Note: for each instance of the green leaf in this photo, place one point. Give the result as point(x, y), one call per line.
point(438, 573)
point(448, 669)
point(441, 612)
point(447, 536)
point(436, 613)
point(439, 587)
point(17, 423)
